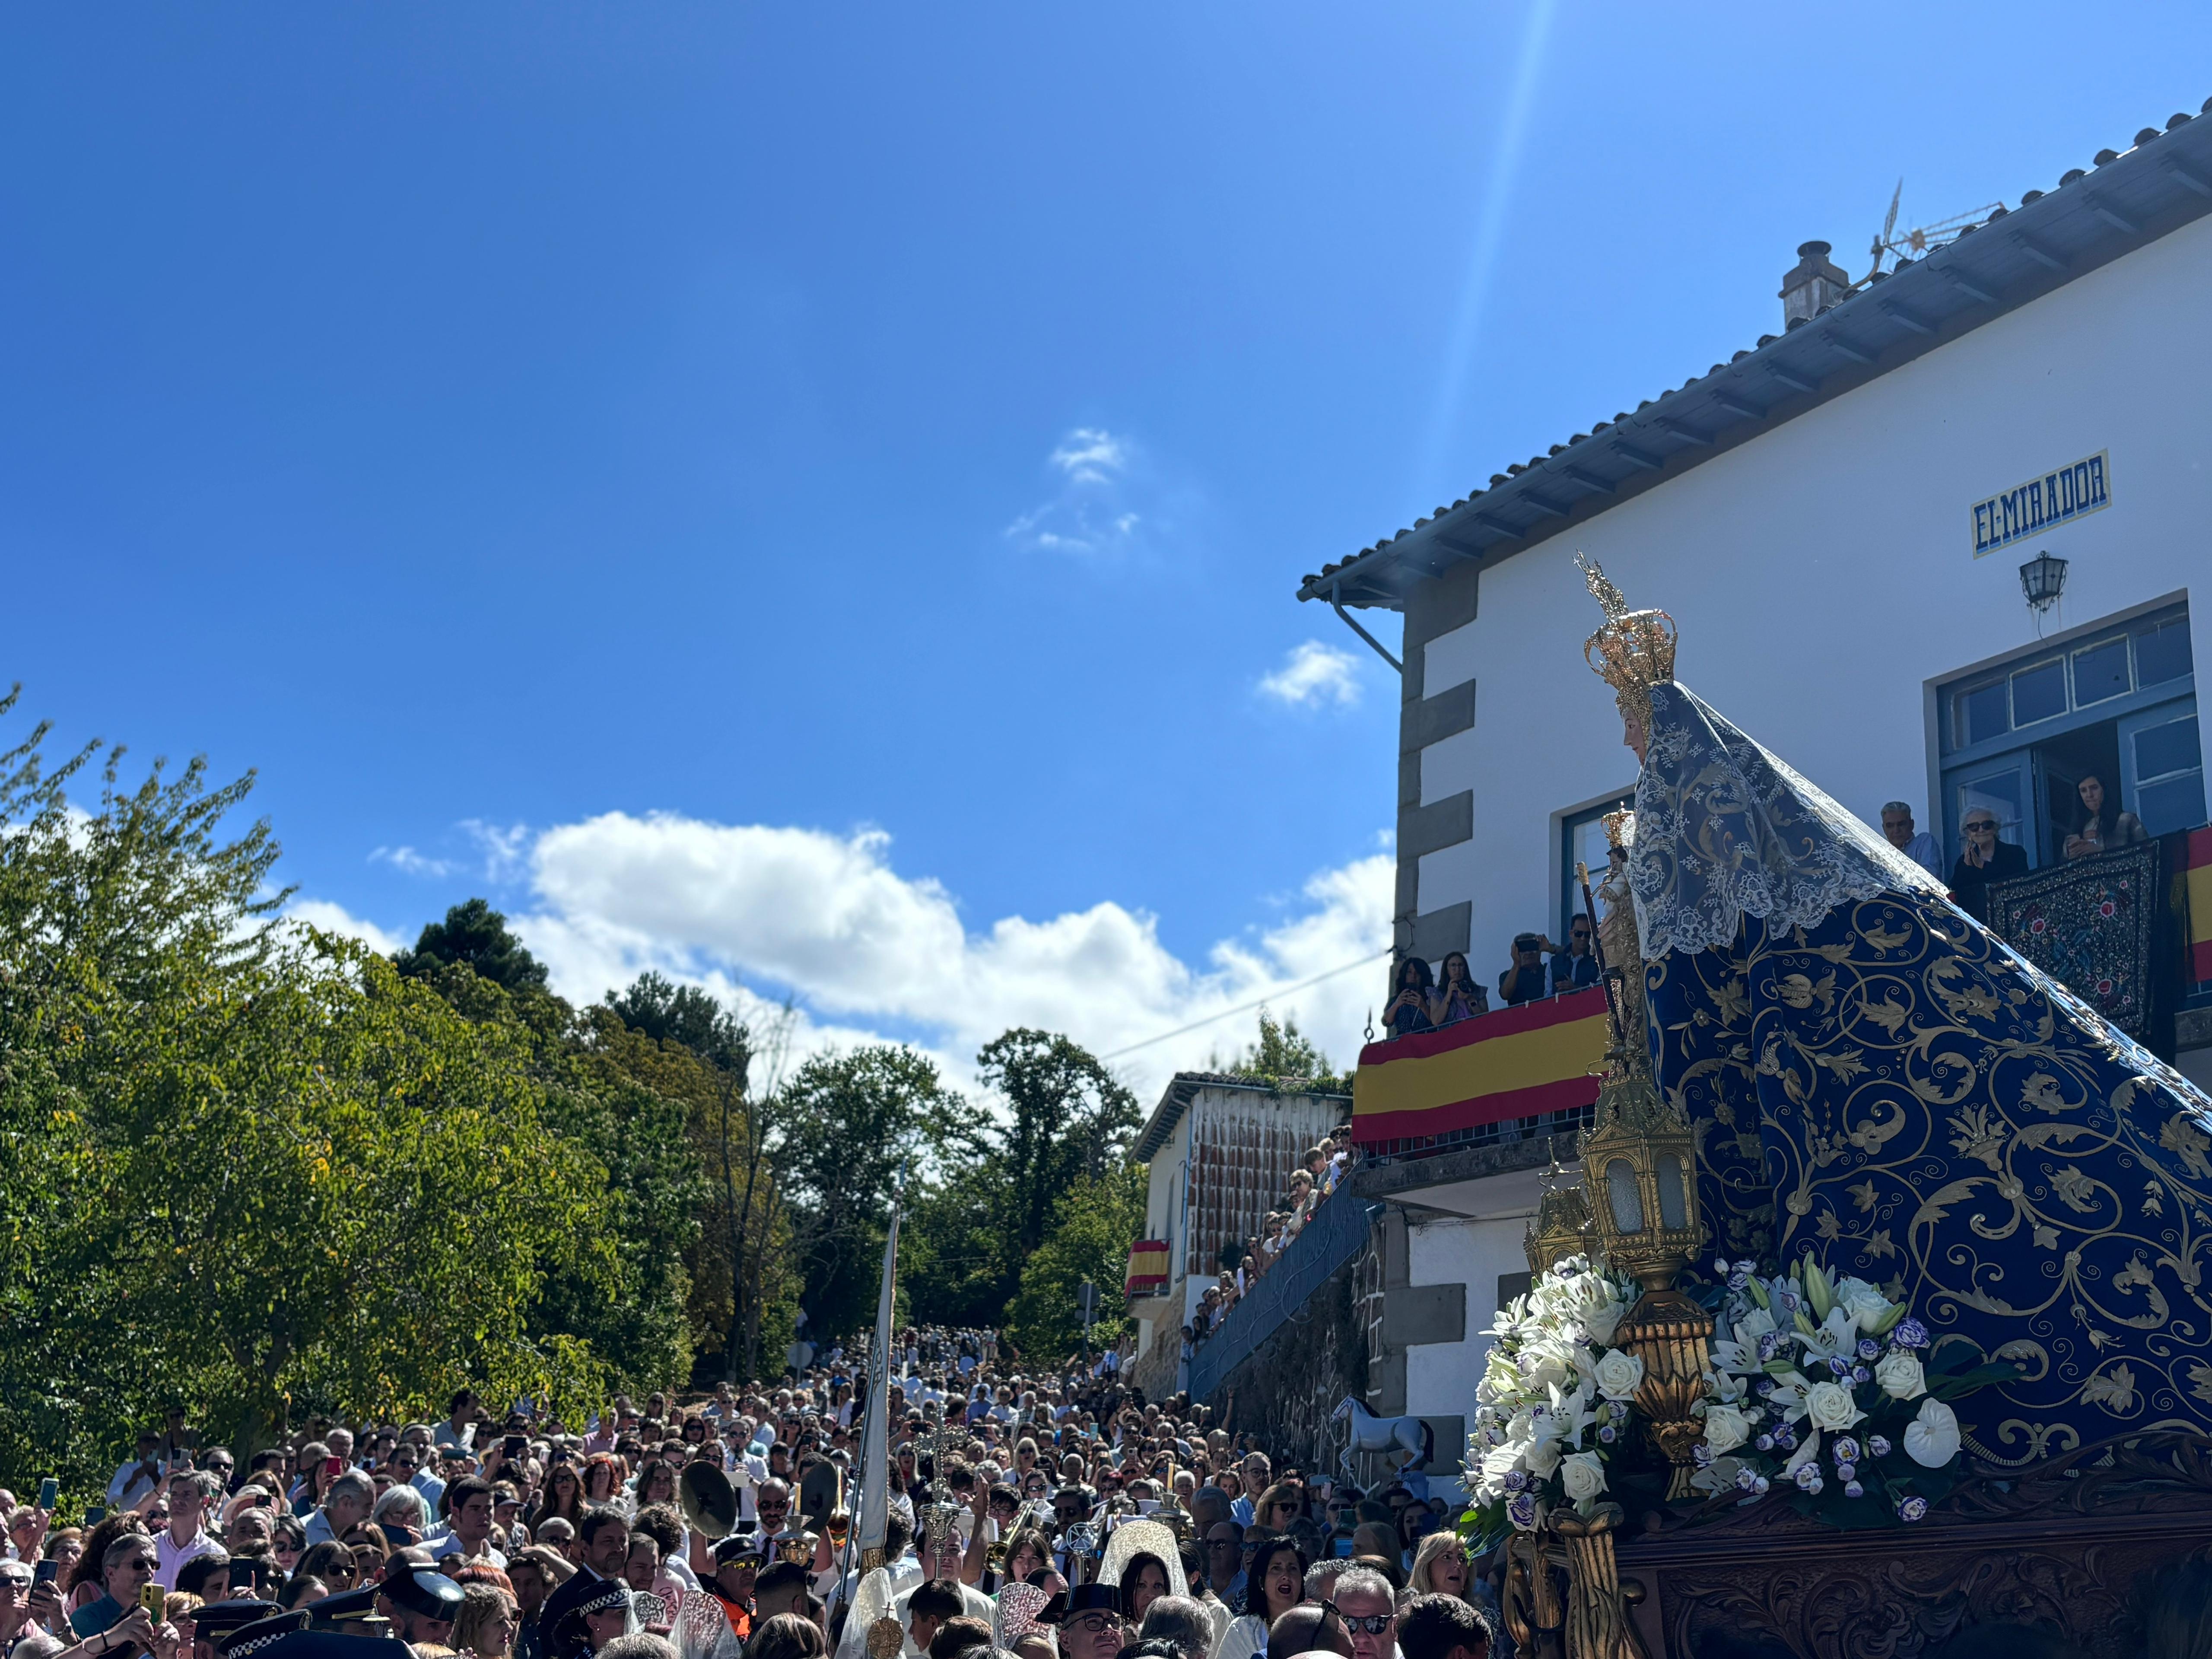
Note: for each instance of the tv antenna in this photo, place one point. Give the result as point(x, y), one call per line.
point(1917, 241)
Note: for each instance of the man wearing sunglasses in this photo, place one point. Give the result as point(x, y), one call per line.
point(1363, 1605)
point(1092, 1626)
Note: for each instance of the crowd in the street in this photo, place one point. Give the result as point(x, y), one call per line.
point(1050, 1515)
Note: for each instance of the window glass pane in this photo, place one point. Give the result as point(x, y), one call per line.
point(1620, 1193)
point(2178, 802)
point(1982, 714)
point(2039, 692)
point(2169, 748)
point(2162, 652)
point(2101, 671)
point(1674, 1206)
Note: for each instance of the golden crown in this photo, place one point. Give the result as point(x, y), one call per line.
point(1633, 651)
point(1619, 828)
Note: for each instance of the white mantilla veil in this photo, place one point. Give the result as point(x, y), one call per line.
point(1143, 1537)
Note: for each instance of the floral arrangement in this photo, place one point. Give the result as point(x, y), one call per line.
point(1822, 1391)
point(1829, 1392)
point(1552, 1409)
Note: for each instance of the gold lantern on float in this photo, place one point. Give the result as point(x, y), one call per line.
point(1561, 1225)
point(1639, 1173)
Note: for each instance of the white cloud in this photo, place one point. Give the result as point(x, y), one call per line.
point(865, 949)
point(504, 849)
point(409, 862)
point(867, 954)
point(1312, 674)
point(1089, 453)
point(1088, 515)
point(335, 918)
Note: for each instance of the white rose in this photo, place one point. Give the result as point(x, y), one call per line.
point(1541, 1457)
point(1831, 1406)
point(1725, 1429)
point(1900, 1375)
point(1583, 1476)
point(1932, 1439)
point(1620, 1374)
point(1865, 1305)
point(1602, 1320)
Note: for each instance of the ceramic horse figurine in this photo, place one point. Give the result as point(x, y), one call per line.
point(1367, 1432)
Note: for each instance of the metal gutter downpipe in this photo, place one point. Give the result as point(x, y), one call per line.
point(1336, 603)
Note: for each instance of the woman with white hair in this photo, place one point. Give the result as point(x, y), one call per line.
point(404, 1507)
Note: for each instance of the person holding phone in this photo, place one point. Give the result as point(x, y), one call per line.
point(136, 1481)
point(126, 1570)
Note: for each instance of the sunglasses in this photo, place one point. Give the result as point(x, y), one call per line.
point(1374, 1623)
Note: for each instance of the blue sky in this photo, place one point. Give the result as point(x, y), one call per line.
point(811, 496)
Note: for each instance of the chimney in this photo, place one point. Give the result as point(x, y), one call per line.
point(1814, 282)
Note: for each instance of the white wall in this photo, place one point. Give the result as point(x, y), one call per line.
point(1440, 1377)
point(1823, 573)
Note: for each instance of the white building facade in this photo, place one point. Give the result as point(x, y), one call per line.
point(1838, 519)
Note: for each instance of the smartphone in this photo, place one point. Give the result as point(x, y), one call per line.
point(49, 1493)
point(48, 1571)
point(334, 1466)
point(152, 1598)
point(1341, 1547)
point(94, 1516)
point(242, 1572)
point(514, 1446)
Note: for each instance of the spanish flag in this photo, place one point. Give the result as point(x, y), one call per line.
point(1516, 1062)
point(1148, 1267)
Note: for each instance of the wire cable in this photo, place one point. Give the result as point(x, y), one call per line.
point(1246, 1007)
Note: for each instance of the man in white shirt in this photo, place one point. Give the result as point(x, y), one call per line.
point(468, 1522)
point(1918, 846)
point(461, 1424)
point(135, 1481)
point(184, 1538)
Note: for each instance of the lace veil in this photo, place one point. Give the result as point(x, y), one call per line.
point(1725, 829)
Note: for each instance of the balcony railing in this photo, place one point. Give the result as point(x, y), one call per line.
point(1335, 1233)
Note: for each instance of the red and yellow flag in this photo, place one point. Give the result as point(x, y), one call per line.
point(2197, 877)
point(1148, 1266)
point(1516, 1062)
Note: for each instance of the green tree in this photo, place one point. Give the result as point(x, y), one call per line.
point(656, 1007)
point(475, 936)
point(846, 1124)
point(1068, 1118)
point(1093, 1225)
point(260, 1171)
point(684, 1045)
point(1060, 1117)
point(1285, 1058)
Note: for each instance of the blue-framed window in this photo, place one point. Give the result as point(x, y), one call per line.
point(2117, 702)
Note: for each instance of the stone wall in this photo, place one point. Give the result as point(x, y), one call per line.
point(1285, 1389)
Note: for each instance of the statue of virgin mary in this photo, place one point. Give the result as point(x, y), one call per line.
point(1874, 1079)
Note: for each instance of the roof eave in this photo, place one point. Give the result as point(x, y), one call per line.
point(2091, 219)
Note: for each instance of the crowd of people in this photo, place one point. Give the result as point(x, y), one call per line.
point(1422, 1001)
point(1241, 1267)
point(1053, 1516)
